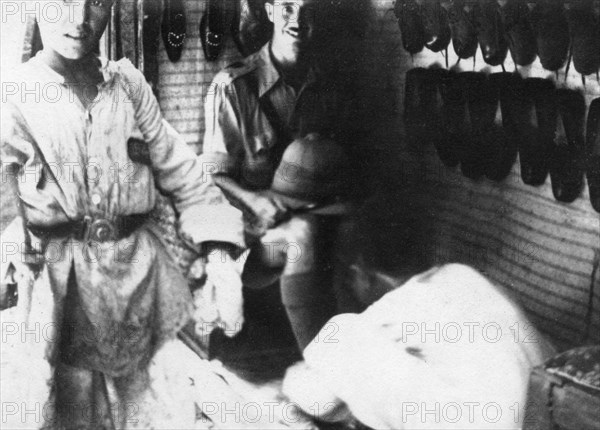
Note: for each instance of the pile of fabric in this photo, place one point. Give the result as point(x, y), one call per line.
point(446, 350)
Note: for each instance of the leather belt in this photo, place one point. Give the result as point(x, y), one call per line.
point(95, 229)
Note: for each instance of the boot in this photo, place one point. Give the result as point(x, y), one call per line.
point(490, 32)
point(457, 129)
point(585, 42)
point(566, 159)
point(552, 33)
point(463, 30)
point(519, 33)
point(539, 120)
point(593, 153)
point(408, 13)
point(435, 25)
point(482, 102)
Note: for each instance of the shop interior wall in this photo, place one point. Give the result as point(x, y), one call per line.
point(422, 213)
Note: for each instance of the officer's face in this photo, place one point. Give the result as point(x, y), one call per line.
point(293, 23)
point(73, 28)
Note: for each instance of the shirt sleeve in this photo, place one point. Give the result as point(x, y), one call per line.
point(223, 145)
point(180, 173)
point(224, 136)
point(15, 141)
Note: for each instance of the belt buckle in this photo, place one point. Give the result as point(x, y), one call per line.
point(101, 230)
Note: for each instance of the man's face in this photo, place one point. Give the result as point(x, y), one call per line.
point(293, 24)
point(74, 27)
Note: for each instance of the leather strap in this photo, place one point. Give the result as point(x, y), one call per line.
point(94, 229)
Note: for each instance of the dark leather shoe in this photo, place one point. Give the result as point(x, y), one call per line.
point(438, 122)
point(585, 43)
point(174, 28)
point(593, 153)
point(151, 37)
point(482, 104)
point(213, 27)
point(536, 123)
point(456, 126)
point(490, 32)
point(463, 30)
point(435, 25)
point(519, 32)
point(501, 136)
point(408, 13)
point(566, 158)
point(517, 114)
point(251, 28)
point(552, 33)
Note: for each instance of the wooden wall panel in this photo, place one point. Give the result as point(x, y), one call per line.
point(541, 250)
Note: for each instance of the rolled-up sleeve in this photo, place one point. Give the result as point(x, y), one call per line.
point(180, 173)
point(223, 148)
point(15, 140)
point(223, 138)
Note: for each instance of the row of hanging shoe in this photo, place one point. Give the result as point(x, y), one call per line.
point(546, 29)
point(245, 20)
point(482, 121)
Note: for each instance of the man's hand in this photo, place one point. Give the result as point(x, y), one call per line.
point(261, 212)
point(268, 212)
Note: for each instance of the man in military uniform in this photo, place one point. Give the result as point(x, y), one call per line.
point(255, 108)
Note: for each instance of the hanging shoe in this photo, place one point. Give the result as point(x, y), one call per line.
point(497, 142)
point(536, 122)
point(462, 27)
point(593, 153)
point(435, 25)
point(455, 120)
point(519, 32)
point(566, 161)
point(251, 27)
point(482, 103)
point(490, 32)
point(152, 11)
point(437, 123)
point(585, 43)
point(213, 27)
point(408, 13)
point(517, 113)
point(174, 28)
point(552, 33)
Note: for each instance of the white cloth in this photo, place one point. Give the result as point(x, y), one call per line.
point(220, 303)
point(446, 350)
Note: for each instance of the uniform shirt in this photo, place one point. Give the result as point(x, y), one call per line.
point(72, 162)
point(241, 137)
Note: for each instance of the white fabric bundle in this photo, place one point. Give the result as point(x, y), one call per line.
point(446, 350)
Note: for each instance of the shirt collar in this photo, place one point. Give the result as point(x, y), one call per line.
point(268, 75)
point(105, 69)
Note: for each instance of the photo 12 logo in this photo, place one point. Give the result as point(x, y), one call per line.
point(47, 10)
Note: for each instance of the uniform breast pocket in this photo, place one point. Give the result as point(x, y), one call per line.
point(258, 166)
